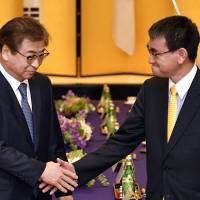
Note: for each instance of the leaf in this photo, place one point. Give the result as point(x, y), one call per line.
point(103, 180)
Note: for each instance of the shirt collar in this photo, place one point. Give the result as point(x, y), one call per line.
point(14, 83)
point(184, 84)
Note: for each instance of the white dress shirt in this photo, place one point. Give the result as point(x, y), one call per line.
point(183, 86)
point(14, 83)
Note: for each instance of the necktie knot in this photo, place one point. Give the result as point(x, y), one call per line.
point(23, 90)
point(173, 90)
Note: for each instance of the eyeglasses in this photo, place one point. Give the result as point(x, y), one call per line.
point(157, 54)
point(40, 56)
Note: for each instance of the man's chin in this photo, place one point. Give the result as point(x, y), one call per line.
point(29, 75)
point(156, 72)
point(160, 75)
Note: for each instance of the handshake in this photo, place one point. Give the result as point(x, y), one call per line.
point(58, 176)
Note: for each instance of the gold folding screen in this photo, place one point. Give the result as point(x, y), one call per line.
point(59, 17)
point(10, 9)
point(99, 54)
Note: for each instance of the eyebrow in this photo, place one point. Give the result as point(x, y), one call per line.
point(35, 52)
point(151, 49)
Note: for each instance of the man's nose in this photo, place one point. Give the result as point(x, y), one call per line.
point(151, 59)
point(36, 63)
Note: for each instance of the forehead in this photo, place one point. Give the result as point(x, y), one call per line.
point(28, 45)
point(157, 43)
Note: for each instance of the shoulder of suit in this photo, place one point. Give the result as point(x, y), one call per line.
point(40, 77)
point(156, 80)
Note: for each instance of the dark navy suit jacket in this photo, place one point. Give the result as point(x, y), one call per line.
point(173, 169)
point(21, 162)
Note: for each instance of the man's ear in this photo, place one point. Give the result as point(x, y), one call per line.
point(182, 55)
point(5, 52)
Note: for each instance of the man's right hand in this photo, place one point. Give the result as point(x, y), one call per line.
point(55, 175)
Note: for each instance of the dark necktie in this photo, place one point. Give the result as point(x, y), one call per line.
point(26, 108)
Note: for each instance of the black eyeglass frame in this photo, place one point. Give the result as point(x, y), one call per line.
point(31, 58)
point(156, 54)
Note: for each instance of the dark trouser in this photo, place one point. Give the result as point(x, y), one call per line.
point(42, 197)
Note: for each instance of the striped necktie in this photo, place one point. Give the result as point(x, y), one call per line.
point(26, 108)
point(172, 111)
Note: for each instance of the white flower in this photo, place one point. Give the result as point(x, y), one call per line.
point(87, 130)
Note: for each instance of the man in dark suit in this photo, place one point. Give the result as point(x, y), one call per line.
point(30, 136)
point(173, 164)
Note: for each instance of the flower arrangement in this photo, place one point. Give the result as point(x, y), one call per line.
point(71, 104)
point(72, 113)
point(76, 132)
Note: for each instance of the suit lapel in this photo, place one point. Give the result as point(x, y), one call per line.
point(190, 107)
point(36, 107)
point(10, 101)
point(161, 103)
